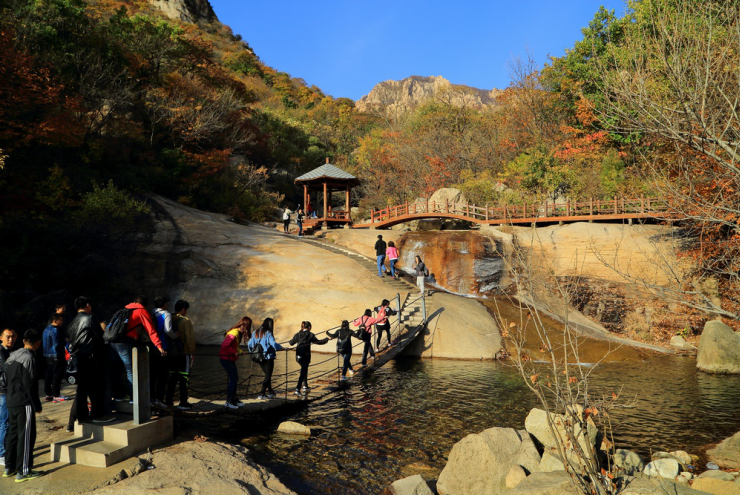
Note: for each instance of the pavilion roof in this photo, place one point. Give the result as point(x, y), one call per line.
point(327, 171)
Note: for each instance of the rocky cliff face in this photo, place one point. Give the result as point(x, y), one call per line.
point(398, 97)
point(186, 10)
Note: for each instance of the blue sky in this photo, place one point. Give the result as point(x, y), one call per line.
point(346, 47)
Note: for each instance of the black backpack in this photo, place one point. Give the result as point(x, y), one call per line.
point(257, 353)
point(116, 329)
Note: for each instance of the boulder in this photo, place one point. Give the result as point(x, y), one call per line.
point(719, 349)
point(413, 485)
point(554, 483)
point(682, 456)
point(628, 462)
point(537, 425)
point(479, 463)
point(718, 487)
point(515, 476)
point(717, 475)
point(293, 428)
point(665, 468)
point(642, 485)
point(678, 342)
point(727, 453)
point(551, 462)
point(449, 195)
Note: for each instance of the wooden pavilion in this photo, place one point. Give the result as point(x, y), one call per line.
point(324, 181)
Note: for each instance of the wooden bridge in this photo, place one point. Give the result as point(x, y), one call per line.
point(616, 209)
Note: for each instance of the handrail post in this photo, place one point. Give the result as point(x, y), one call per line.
point(642, 204)
point(591, 206)
point(286, 375)
point(423, 309)
point(142, 403)
point(398, 305)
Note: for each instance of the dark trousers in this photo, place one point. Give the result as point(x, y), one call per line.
point(20, 439)
point(367, 349)
point(304, 362)
point(267, 368)
point(230, 367)
point(158, 374)
point(90, 383)
point(347, 363)
point(385, 327)
point(53, 379)
point(179, 367)
point(286, 224)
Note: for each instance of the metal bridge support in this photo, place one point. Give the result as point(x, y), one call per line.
point(398, 307)
point(423, 309)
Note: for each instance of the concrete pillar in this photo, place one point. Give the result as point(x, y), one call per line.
point(140, 364)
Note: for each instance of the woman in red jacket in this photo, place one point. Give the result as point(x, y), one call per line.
point(228, 355)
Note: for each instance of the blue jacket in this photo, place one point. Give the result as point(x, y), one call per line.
point(52, 345)
point(163, 320)
point(269, 346)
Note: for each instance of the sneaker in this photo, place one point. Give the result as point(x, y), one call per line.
point(238, 403)
point(49, 398)
point(351, 372)
point(60, 399)
point(343, 379)
point(104, 419)
point(261, 397)
point(184, 406)
point(8, 473)
point(20, 478)
point(297, 392)
point(306, 390)
point(271, 395)
point(70, 429)
point(231, 405)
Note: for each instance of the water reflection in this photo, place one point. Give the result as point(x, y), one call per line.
point(414, 411)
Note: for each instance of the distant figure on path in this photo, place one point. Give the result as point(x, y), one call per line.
point(228, 355)
point(299, 221)
point(365, 324)
point(392, 253)
point(286, 220)
point(264, 337)
point(7, 345)
point(23, 404)
point(421, 273)
point(344, 346)
point(383, 325)
point(56, 362)
point(304, 338)
point(181, 361)
point(380, 247)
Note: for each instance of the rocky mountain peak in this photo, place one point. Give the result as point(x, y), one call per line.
point(186, 10)
point(406, 94)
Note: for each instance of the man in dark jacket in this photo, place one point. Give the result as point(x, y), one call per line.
point(23, 404)
point(87, 346)
point(7, 345)
point(380, 247)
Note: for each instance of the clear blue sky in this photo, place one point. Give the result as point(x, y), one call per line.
point(345, 47)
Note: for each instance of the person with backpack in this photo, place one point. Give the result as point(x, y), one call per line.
point(286, 220)
point(264, 339)
point(383, 325)
point(56, 362)
point(421, 273)
point(365, 324)
point(344, 346)
point(228, 355)
point(158, 362)
point(392, 254)
point(304, 338)
point(182, 360)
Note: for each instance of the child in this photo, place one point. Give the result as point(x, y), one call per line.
point(23, 402)
point(344, 346)
point(264, 337)
point(55, 359)
point(230, 353)
point(304, 338)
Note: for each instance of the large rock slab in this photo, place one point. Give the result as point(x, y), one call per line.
point(412, 485)
point(727, 453)
point(479, 463)
point(449, 195)
point(719, 349)
point(717, 475)
point(553, 483)
point(717, 487)
point(641, 485)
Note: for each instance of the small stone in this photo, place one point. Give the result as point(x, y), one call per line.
point(678, 342)
point(413, 485)
point(665, 468)
point(717, 475)
point(682, 457)
point(628, 462)
point(516, 475)
point(711, 465)
point(687, 475)
point(293, 428)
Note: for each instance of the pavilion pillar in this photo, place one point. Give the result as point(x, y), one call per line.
point(346, 203)
point(305, 198)
point(326, 217)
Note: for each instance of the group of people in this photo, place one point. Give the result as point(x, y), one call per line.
point(263, 349)
point(300, 216)
point(103, 362)
point(389, 251)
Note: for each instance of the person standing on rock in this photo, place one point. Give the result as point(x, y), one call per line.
point(421, 273)
point(264, 337)
point(7, 345)
point(392, 253)
point(383, 325)
point(299, 221)
point(365, 324)
point(56, 363)
point(158, 362)
point(344, 346)
point(228, 355)
point(304, 338)
point(182, 361)
point(286, 220)
point(380, 248)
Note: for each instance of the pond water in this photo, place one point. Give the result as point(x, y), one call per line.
point(413, 411)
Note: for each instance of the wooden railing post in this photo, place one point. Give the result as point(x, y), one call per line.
point(591, 207)
point(486, 212)
point(447, 205)
point(567, 208)
point(546, 209)
point(467, 209)
point(642, 204)
point(615, 205)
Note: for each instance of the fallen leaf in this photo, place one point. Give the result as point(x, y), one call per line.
point(614, 396)
point(533, 378)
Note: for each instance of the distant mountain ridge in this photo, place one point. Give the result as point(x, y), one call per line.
point(406, 94)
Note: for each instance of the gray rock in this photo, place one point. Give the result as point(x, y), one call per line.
point(682, 456)
point(293, 428)
point(665, 468)
point(712, 465)
point(550, 462)
point(515, 476)
point(642, 485)
point(554, 483)
point(479, 463)
point(719, 349)
point(413, 485)
point(727, 453)
point(717, 475)
point(628, 462)
point(680, 343)
point(537, 425)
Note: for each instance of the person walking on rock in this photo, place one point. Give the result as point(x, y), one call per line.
point(303, 340)
point(264, 337)
point(383, 325)
point(228, 355)
point(380, 247)
point(286, 220)
point(392, 253)
point(365, 324)
point(23, 404)
point(7, 345)
point(344, 346)
point(421, 273)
